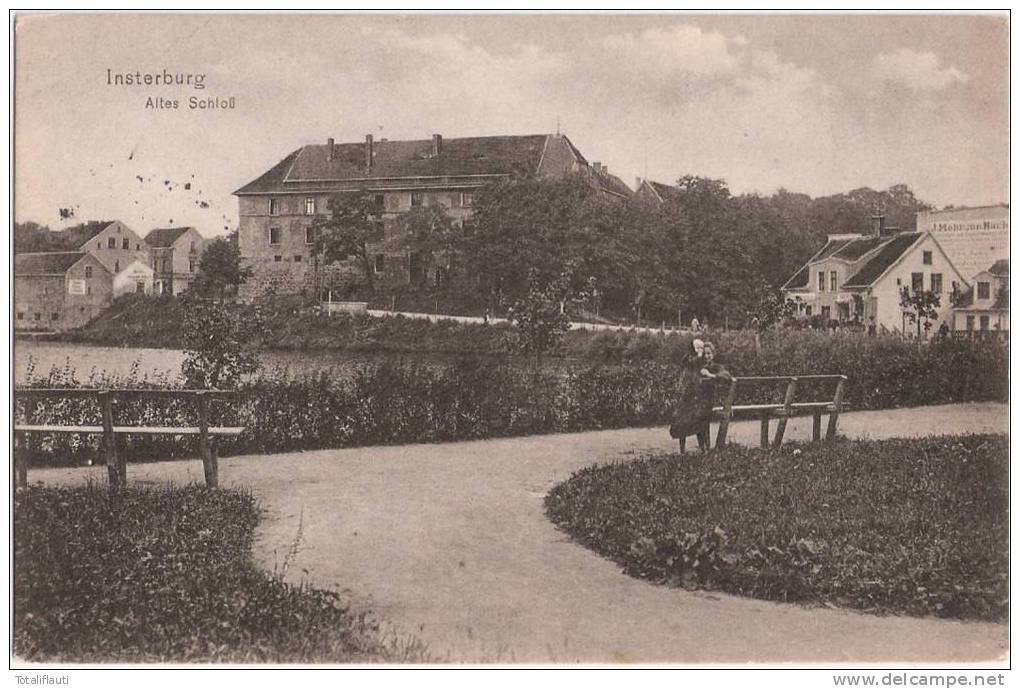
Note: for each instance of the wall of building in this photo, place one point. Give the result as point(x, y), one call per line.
point(973, 238)
point(128, 280)
point(886, 291)
point(74, 298)
point(289, 265)
point(37, 299)
point(117, 258)
point(176, 266)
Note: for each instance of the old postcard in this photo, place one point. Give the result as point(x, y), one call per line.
point(515, 339)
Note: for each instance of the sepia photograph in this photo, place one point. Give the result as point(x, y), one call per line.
point(511, 340)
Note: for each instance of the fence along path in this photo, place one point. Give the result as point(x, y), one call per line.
point(574, 325)
point(116, 465)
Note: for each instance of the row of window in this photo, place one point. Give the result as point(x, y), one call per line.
point(926, 259)
point(917, 282)
point(38, 316)
point(983, 321)
point(274, 235)
point(125, 244)
point(466, 199)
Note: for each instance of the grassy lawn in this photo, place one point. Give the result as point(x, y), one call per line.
point(915, 527)
point(166, 575)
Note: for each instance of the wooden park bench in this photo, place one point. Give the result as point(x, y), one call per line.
point(784, 410)
point(117, 466)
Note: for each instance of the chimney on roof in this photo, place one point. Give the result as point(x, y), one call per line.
point(877, 225)
point(368, 152)
point(330, 149)
point(437, 145)
point(597, 166)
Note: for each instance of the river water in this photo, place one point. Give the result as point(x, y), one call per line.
point(96, 362)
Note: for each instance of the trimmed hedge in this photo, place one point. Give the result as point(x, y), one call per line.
point(158, 575)
point(918, 527)
point(395, 402)
point(385, 403)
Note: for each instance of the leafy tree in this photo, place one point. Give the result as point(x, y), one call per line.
point(219, 343)
point(771, 309)
point(30, 237)
point(921, 307)
point(1002, 297)
point(352, 226)
point(220, 267)
point(540, 316)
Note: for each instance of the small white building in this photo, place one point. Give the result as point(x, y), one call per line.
point(136, 278)
point(984, 308)
point(859, 279)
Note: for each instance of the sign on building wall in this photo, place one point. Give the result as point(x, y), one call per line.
point(76, 287)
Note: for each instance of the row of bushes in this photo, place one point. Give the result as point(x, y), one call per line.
point(388, 403)
point(919, 527)
point(406, 402)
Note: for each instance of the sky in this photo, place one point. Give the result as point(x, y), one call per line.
point(818, 104)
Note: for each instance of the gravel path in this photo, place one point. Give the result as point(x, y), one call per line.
point(449, 542)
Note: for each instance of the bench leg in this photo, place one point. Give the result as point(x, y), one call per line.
point(780, 432)
point(22, 458)
point(764, 431)
point(705, 438)
point(210, 465)
point(816, 427)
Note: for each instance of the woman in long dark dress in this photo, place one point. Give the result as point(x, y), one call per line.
point(697, 395)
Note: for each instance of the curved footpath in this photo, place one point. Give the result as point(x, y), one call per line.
point(449, 542)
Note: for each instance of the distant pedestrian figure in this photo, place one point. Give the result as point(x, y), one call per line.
point(871, 326)
point(697, 394)
point(944, 330)
point(695, 326)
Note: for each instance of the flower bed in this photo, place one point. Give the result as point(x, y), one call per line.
point(917, 527)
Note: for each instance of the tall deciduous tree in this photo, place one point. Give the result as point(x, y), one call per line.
point(220, 267)
point(218, 343)
point(352, 225)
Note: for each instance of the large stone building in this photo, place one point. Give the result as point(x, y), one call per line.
point(277, 209)
point(974, 238)
point(859, 278)
point(174, 256)
point(59, 290)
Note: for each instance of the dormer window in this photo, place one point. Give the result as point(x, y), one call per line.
point(310, 206)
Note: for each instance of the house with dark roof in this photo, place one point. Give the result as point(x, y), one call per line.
point(654, 192)
point(174, 253)
point(276, 210)
point(59, 290)
point(111, 241)
point(859, 278)
point(984, 308)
